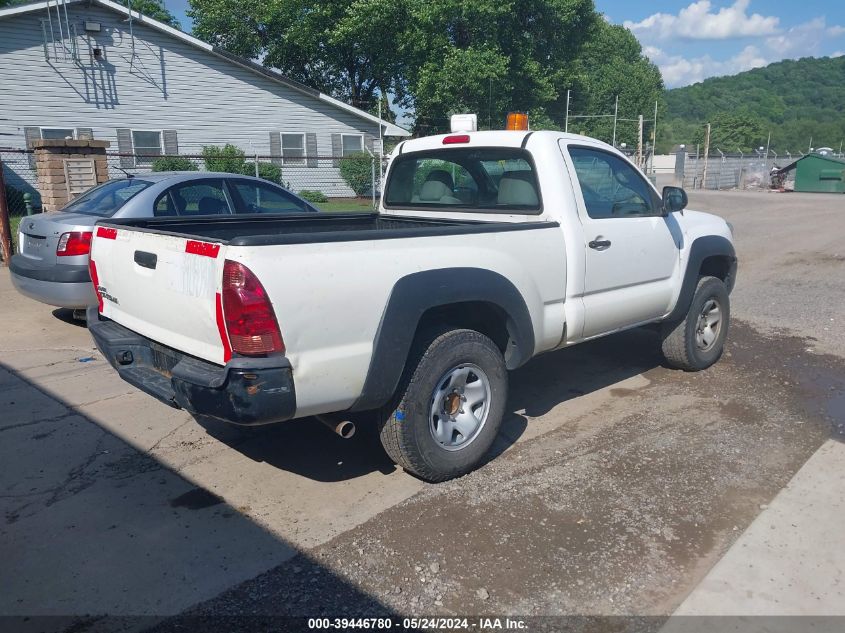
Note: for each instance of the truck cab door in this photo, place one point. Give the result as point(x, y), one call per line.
point(632, 251)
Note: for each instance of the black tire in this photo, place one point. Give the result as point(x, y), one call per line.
point(405, 430)
point(681, 347)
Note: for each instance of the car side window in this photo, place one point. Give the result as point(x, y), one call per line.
point(258, 197)
point(611, 187)
point(194, 197)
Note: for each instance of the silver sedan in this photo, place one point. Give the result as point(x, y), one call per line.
point(52, 266)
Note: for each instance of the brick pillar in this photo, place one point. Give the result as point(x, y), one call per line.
point(50, 158)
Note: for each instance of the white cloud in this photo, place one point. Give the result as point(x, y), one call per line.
point(681, 71)
point(837, 54)
point(805, 39)
point(699, 22)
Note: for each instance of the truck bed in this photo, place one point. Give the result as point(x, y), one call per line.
point(312, 228)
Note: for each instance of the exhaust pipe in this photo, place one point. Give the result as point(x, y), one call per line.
point(344, 428)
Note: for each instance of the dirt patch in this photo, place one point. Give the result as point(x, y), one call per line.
point(619, 511)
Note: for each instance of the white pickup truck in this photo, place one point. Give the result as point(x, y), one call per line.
point(488, 249)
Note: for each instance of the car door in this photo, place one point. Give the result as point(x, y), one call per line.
point(632, 251)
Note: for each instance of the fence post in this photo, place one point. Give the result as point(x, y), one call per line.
point(5, 228)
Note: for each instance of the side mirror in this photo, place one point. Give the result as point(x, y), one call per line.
point(674, 199)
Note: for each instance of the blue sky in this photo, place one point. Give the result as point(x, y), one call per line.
point(691, 41)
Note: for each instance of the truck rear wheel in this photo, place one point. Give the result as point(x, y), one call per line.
point(451, 400)
point(697, 341)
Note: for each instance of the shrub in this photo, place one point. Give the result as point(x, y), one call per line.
point(228, 159)
point(313, 196)
point(267, 171)
point(173, 163)
point(232, 160)
point(356, 170)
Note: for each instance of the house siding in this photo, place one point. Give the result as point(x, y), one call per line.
point(167, 85)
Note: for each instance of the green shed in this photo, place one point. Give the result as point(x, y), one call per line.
point(818, 173)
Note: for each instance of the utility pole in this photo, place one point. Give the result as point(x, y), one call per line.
point(654, 138)
point(381, 143)
point(706, 155)
point(768, 143)
point(640, 142)
point(566, 124)
point(615, 115)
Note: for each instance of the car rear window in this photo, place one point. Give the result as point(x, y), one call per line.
point(498, 180)
point(106, 199)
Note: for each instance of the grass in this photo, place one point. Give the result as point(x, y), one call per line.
point(15, 222)
point(363, 205)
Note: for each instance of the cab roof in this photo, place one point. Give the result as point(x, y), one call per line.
point(490, 138)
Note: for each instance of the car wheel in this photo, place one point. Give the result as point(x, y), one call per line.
point(450, 405)
point(696, 342)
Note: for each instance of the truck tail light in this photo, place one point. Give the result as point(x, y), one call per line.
point(92, 270)
point(455, 139)
point(75, 243)
point(248, 314)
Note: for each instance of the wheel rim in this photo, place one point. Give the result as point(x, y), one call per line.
point(708, 326)
point(459, 406)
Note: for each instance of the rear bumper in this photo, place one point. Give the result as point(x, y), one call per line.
point(246, 391)
point(61, 285)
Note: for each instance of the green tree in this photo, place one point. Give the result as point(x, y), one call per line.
point(490, 56)
point(156, 10)
point(795, 100)
point(349, 49)
point(611, 65)
point(730, 132)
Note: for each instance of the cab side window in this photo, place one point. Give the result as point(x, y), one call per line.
point(611, 187)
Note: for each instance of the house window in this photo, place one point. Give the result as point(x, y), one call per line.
point(352, 144)
point(57, 133)
point(146, 145)
point(293, 149)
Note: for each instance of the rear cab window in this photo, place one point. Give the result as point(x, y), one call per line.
point(487, 179)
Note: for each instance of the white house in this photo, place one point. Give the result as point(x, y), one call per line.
point(93, 69)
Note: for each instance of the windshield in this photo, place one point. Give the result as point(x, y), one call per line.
point(492, 179)
point(105, 200)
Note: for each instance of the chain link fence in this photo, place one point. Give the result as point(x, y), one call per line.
point(727, 171)
point(317, 178)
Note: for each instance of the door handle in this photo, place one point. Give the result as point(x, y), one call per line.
point(146, 260)
point(599, 245)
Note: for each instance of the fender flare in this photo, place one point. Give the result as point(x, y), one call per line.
point(701, 249)
point(416, 293)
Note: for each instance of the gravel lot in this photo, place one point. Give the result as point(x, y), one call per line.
point(618, 483)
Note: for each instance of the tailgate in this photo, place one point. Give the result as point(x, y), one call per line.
point(164, 287)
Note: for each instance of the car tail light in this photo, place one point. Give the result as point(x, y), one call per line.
point(75, 243)
point(248, 314)
point(456, 138)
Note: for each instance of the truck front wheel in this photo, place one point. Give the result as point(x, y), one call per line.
point(451, 400)
point(697, 341)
